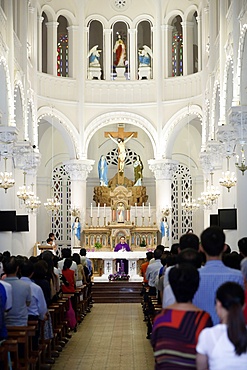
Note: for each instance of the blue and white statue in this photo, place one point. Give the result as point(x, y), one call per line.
point(145, 55)
point(103, 171)
point(94, 55)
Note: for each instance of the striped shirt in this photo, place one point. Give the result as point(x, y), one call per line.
point(174, 337)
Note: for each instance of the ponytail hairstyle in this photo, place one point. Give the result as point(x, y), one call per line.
point(231, 296)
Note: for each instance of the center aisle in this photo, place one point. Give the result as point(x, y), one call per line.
point(111, 336)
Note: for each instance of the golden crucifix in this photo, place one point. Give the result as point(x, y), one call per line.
point(121, 138)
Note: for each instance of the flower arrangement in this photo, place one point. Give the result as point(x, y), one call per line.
point(118, 276)
point(98, 245)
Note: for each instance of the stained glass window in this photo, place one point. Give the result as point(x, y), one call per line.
point(63, 56)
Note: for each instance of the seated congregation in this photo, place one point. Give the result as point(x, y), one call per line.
point(42, 301)
point(195, 303)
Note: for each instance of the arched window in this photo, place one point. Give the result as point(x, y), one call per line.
point(144, 48)
point(181, 190)
point(120, 65)
point(62, 47)
point(195, 43)
point(96, 49)
point(44, 43)
point(177, 47)
point(61, 221)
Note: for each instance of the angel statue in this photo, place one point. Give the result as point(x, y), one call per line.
point(94, 55)
point(145, 55)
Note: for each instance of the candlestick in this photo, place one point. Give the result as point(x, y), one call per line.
point(104, 221)
point(149, 210)
point(91, 213)
point(135, 209)
point(104, 209)
point(98, 221)
point(98, 210)
point(142, 209)
point(136, 221)
point(149, 221)
point(91, 217)
point(143, 220)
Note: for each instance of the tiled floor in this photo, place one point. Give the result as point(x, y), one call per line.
point(112, 336)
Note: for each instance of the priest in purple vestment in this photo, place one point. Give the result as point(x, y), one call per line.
point(122, 264)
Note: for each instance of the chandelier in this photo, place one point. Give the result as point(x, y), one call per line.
point(212, 193)
point(24, 192)
point(241, 166)
point(228, 179)
point(52, 205)
point(6, 180)
point(75, 212)
point(190, 206)
point(33, 203)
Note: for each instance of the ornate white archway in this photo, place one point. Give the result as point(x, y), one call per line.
point(115, 118)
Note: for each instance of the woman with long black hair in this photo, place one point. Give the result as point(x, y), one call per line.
point(224, 346)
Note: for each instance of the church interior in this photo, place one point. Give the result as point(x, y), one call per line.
point(121, 118)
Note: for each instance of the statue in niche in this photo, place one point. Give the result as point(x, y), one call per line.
point(145, 55)
point(138, 167)
point(120, 212)
point(103, 171)
point(120, 52)
point(94, 56)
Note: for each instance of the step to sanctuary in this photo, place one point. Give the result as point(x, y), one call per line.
point(117, 292)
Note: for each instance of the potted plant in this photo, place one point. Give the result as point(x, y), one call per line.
point(98, 245)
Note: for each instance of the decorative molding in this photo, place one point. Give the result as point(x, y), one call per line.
point(79, 169)
point(163, 169)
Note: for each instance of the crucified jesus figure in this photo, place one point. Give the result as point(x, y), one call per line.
point(121, 150)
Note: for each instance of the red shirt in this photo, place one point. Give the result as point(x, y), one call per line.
point(69, 276)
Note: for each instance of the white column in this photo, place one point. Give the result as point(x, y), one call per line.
point(107, 54)
point(78, 171)
point(73, 44)
point(187, 47)
point(52, 48)
point(132, 54)
point(168, 50)
point(199, 36)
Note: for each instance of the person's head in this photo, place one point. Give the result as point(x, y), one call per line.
point(83, 252)
point(122, 239)
point(11, 266)
point(229, 307)
point(40, 270)
point(174, 249)
point(52, 236)
point(189, 241)
point(77, 219)
point(67, 263)
point(49, 241)
point(76, 258)
point(149, 255)
point(27, 269)
point(157, 254)
point(119, 140)
point(242, 246)
point(189, 256)
point(66, 253)
point(232, 260)
point(227, 248)
point(161, 248)
point(6, 254)
point(213, 241)
point(184, 281)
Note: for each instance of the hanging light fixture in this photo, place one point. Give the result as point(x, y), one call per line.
point(228, 179)
point(212, 192)
point(75, 212)
point(204, 200)
point(241, 165)
point(6, 180)
point(52, 205)
point(24, 192)
point(190, 206)
point(33, 203)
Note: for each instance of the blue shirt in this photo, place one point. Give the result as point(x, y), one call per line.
point(3, 299)
point(38, 305)
point(152, 272)
point(212, 276)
